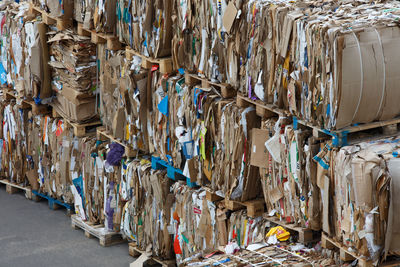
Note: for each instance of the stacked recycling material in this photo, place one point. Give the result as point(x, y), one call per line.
point(159, 135)
point(96, 182)
point(146, 26)
point(355, 40)
point(83, 12)
point(12, 44)
point(54, 157)
point(204, 39)
point(103, 17)
point(288, 173)
point(37, 76)
point(147, 214)
point(363, 195)
point(24, 53)
point(14, 142)
point(194, 222)
point(202, 137)
point(74, 68)
point(124, 97)
point(57, 9)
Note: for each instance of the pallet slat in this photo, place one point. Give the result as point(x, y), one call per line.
point(165, 64)
point(226, 89)
point(105, 237)
point(13, 188)
point(54, 204)
point(61, 23)
point(255, 208)
point(103, 134)
point(135, 252)
point(345, 253)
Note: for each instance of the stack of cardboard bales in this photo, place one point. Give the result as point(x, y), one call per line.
point(331, 64)
point(147, 215)
point(24, 53)
point(146, 26)
point(74, 69)
point(124, 88)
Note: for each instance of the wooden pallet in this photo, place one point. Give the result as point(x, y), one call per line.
point(54, 204)
point(111, 40)
point(105, 237)
point(135, 252)
point(165, 64)
point(28, 104)
point(353, 134)
point(255, 208)
point(13, 188)
point(60, 23)
point(304, 235)
point(211, 196)
point(262, 109)
point(345, 253)
point(103, 134)
point(80, 129)
point(226, 90)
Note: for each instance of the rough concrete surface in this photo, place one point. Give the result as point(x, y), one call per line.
point(32, 235)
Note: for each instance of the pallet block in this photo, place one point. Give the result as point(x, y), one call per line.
point(255, 208)
point(263, 110)
point(111, 40)
point(61, 23)
point(135, 252)
point(12, 188)
point(225, 89)
point(210, 196)
point(98, 231)
point(82, 31)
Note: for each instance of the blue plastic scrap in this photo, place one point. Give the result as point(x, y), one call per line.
point(163, 106)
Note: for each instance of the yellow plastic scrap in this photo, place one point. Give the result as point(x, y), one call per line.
point(280, 232)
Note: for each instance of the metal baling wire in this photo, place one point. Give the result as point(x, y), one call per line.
point(268, 257)
point(294, 254)
point(243, 260)
point(362, 76)
point(384, 73)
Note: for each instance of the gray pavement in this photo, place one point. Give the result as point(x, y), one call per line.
point(33, 235)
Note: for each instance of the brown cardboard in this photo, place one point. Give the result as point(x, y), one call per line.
point(259, 153)
point(326, 202)
point(118, 124)
point(229, 16)
point(77, 113)
point(32, 176)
